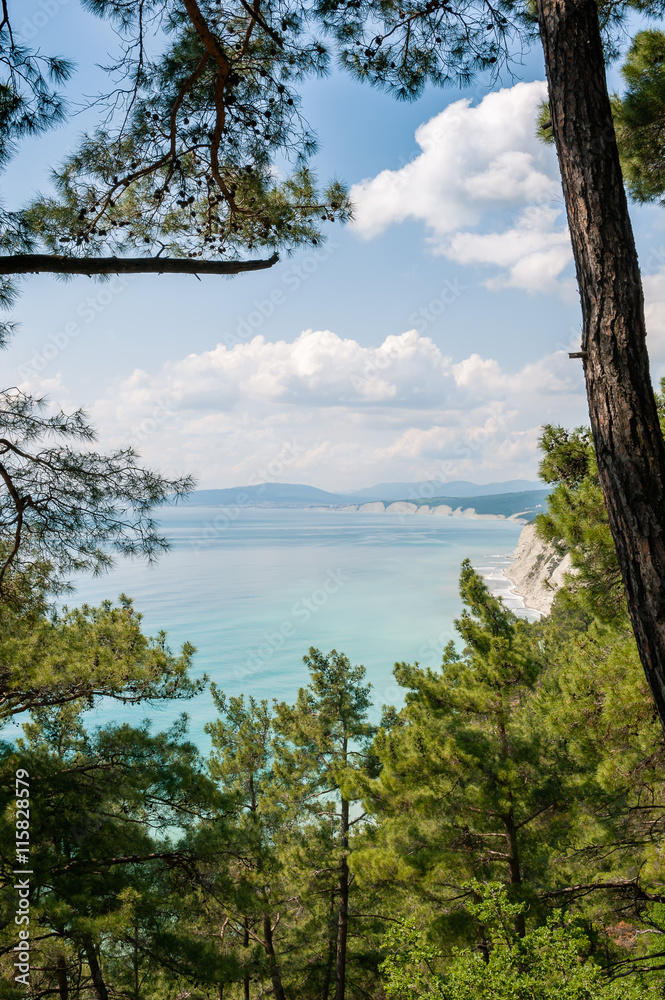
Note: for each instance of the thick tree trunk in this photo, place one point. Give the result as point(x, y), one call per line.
point(343, 912)
point(34, 263)
point(628, 441)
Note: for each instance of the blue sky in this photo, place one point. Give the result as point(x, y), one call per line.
point(427, 339)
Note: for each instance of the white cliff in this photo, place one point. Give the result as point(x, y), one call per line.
point(537, 570)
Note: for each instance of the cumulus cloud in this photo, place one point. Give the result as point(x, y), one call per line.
point(480, 167)
point(654, 309)
point(326, 410)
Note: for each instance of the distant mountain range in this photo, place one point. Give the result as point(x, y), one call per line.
point(434, 488)
point(517, 494)
point(273, 495)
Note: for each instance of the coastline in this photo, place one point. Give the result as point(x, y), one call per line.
point(402, 507)
point(500, 585)
point(516, 596)
point(536, 571)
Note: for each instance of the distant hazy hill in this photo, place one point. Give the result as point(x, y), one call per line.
point(272, 495)
point(529, 503)
point(433, 488)
point(295, 495)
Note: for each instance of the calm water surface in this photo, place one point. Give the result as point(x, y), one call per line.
point(253, 590)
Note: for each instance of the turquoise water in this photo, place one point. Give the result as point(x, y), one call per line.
point(254, 589)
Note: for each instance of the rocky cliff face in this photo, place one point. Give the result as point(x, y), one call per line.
point(537, 570)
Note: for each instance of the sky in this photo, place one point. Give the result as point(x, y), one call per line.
point(428, 339)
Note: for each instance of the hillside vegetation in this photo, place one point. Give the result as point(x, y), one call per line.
point(500, 836)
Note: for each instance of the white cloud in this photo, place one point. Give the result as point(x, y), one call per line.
point(654, 309)
point(480, 167)
point(328, 411)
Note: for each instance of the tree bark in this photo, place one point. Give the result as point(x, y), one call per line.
point(245, 941)
point(514, 866)
point(61, 975)
point(330, 959)
point(273, 965)
point(343, 913)
point(33, 263)
point(95, 970)
point(627, 437)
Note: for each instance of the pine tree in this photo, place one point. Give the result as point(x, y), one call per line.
point(639, 117)
point(183, 162)
point(243, 764)
point(468, 787)
point(326, 744)
point(106, 871)
point(66, 508)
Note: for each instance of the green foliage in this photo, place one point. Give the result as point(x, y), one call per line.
point(467, 786)
point(639, 117)
point(30, 104)
point(576, 521)
point(403, 46)
point(190, 157)
point(71, 508)
point(85, 653)
point(550, 962)
point(29, 100)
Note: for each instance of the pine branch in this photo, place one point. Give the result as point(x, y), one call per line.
point(33, 263)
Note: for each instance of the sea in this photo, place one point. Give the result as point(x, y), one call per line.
point(254, 589)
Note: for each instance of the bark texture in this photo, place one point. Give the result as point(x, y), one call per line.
point(34, 263)
point(61, 976)
point(343, 912)
point(628, 441)
point(273, 965)
point(98, 983)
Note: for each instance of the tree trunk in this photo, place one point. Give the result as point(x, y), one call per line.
point(343, 913)
point(627, 437)
point(330, 960)
point(514, 862)
point(136, 962)
point(245, 941)
point(95, 970)
point(273, 965)
point(61, 974)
